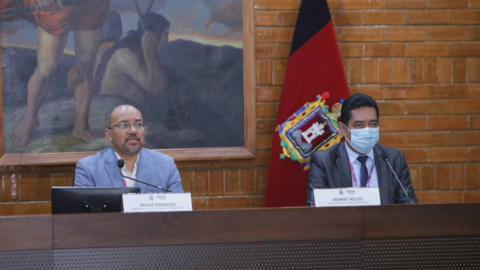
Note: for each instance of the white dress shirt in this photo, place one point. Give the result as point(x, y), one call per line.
point(130, 182)
point(352, 156)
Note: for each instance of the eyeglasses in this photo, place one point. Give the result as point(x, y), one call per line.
point(125, 126)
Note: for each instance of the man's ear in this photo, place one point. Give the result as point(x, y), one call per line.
point(108, 134)
point(342, 128)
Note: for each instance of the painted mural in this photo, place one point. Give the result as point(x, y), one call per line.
point(67, 63)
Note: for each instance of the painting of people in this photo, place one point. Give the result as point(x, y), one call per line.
point(66, 64)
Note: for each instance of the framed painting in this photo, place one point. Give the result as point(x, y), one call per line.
point(187, 65)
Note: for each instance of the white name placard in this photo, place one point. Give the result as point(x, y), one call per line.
point(157, 202)
point(346, 197)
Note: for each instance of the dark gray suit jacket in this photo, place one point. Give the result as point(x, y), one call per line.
point(153, 167)
point(331, 169)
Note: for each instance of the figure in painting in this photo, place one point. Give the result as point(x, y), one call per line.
point(131, 68)
point(85, 18)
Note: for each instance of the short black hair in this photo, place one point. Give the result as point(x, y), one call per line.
point(354, 102)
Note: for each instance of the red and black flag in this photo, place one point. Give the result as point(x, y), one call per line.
point(314, 73)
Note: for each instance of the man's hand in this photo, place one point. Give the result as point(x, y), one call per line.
point(149, 42)
point(47, 5)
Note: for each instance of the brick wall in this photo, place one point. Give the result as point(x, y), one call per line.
point(419, 58)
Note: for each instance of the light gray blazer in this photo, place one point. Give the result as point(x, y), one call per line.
point(331, 169)
point(153, 167)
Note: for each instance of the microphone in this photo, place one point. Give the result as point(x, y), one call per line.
point(121, 163)
point(386, 160)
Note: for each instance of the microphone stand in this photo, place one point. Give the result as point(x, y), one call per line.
point(136, 180)
point(120, 165)
point(386, 160)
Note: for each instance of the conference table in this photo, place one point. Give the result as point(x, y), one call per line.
point(444, 236)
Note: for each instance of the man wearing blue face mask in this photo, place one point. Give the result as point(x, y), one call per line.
point(360, 161)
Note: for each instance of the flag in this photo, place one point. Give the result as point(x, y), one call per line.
point(314, 68)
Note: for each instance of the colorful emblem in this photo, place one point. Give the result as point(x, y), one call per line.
point(312, 128)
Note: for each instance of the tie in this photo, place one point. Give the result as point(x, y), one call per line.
point(363, 170)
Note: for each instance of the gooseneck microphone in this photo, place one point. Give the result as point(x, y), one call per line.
point(386, 160)
point(121, 163)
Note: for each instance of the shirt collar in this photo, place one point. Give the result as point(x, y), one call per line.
point(352, 156)
point(134, 165)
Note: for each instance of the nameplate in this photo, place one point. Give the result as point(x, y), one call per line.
point(157, 202)
point(346, 197)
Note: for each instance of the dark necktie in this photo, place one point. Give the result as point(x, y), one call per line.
point(363, 170)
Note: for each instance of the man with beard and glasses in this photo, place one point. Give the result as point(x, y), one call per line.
point(126, 130)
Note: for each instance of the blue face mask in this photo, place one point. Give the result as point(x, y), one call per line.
point(364, 139)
